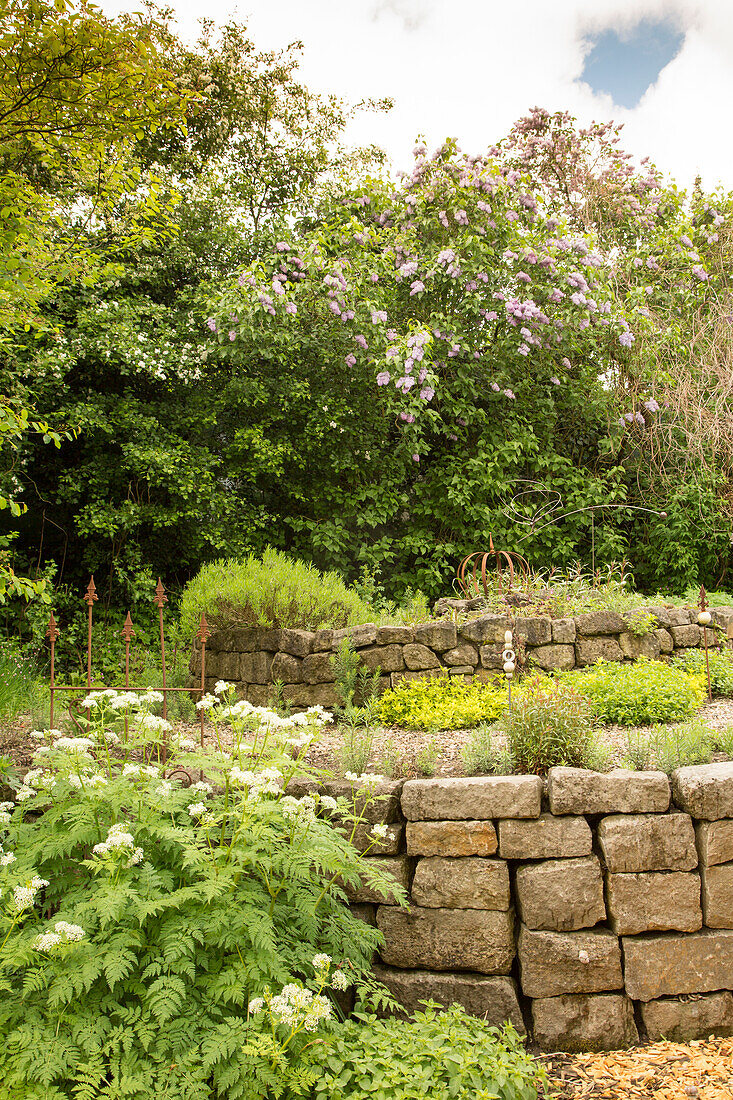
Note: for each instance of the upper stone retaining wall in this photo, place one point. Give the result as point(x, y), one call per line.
point(253, 657)
point(588, 910)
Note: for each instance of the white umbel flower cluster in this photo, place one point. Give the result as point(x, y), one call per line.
point(140, 771)
point(63, 933)
point(299, 811)
point(6, 810)
point(119, 841)
point(365, 781)
point(25, 896)
point(298, 1007)
point(256, 783)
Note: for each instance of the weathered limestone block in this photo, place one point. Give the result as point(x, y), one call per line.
point(640, 645)
point(317, 668)
point(576, 791)
point(491, 999)
point(547, 837)
point(308, 695)
point(678, 616)
point(359, 636)
point(461, 670)
point(685, 636)
point(491, 656)
point(553, 656)
point(451, 838)
point(660, 613)
point(652, 902)
point(391, 635)
point(563, 631)
point(297, 642)
point(473, 799)
point(235, 639)
point(717, 895)
point(224, 665)
point(287, 668)
point(386, 657)
point(419, 656)
point(366, 913)
point(395, 867)
point(648, 842)
point(322, 639)
point(448, 939)
point(554, 963)
point(694, 962)
point(704, 790)
point(463, 654)
point(361, 837)
point(579, 1021)
point(680, 1021)
point(438, 636)
point(714, 842)
point(255, 668)
point(666, 645)
point(466, 883)
point(590, 650)
point(385, 809)
point(536, 632)
point(561, 895)
point(487, 628)
point(600, 622)
point(269, 639)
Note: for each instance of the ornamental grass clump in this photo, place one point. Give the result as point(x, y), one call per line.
point(550, 725)
point(639, 693)
point(147, 903)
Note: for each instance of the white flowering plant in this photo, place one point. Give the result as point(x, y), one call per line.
point(152, 890)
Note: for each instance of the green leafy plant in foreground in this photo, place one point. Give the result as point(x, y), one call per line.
point(721, 668)
point(550, 724)
point(440, 702)
point(679, 746)
point(638, 693)
point(482, 753)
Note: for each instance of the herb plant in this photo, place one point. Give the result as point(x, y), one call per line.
point(638, 693)
point(440, 702)
point(721, 668)
point(550, 724)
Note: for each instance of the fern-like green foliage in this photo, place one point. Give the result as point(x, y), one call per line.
point(183, 902)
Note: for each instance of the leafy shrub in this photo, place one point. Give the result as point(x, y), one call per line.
point(21, 689)
point(482, 756)
point(141, 916)
point(638, 693)
point(550, 724)
point(640, 622)
point(721, 668)
point(444, 1055)
point(273, 591)
point(440, 702)
point(678, 746)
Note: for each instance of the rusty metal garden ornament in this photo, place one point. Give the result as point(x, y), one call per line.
point(704, 619)
point(481, 564)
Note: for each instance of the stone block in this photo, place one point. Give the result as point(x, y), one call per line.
point(255, 668)
point(394, 867)
point(474, 799)
point(648, 842)
point(556, 963)
point(493, 999)
point(660, 613)
point(553, 656)
point(704, 790)
point(563, 631)
point(236, 639)
point(310, 695)
point(640, 645)
point(359, 636)
point(447, 939)
point(534, 631)
point(666, 645)
point(670, 964)
point(322, 639)
point(491, 656)
point(361, 837)
point(438, 636)
point(590, 650)
point(225, 665)
point(582, 1021)
point(576, 791)
point(714, 842)
point(679, 1021)
point(464, 654)
point(269, 639)
point(451, 838)
point(461, 670)
point(685, 636)
point(600, 622)
point(487, 628)
point(386, 657)
point(679, 616)
point(383, 809)
point(717, 895)
point(297, 642)
point(286, 668)
point(653, 902)
point(419, 656)
point(395, 635)
point(547, 837)
point(366, 913)
point(561, 895)
point(466, 883)
point(317, 668)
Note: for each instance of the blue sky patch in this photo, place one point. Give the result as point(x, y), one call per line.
point(624, 64)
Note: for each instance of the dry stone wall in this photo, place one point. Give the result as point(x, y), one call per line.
point(590, 909)
point(254, 657)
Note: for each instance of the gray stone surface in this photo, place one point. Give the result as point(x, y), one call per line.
point(438, 636)
point(547, 837)
point(714, 841)
point(359, 636)
point(680, 1021)
point(561, 895)
point(366, 913)
point(666, 645)
point(581, 1021)
point(653, 902)
point(553, 656)
point(600, 622)
point(493, 999)
point(644, 645)
point(590, 650)
point(576, 791)
point(648, 842)
point(255, 668)
point(704, 790)
point(685, 636)
point(322, 639)
point(555, 963)
point(487, 628)
point(563, 631)
point(535, 631)
point(451, 838)
point(419, 656)
point(387, 657)
point(317, 668)
point(664, 965)
point(678, 616)
point(473, 799)
point(461, 670)
point(466, 883)
point(393, 867)
point(717, 895)
point(300, 695)
point(463, 654)
point(447, 939)
point(388, 635)
point(286, 668)
point(491, 656)
point(297, 642)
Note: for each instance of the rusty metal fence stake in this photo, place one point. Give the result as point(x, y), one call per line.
point(52, 633)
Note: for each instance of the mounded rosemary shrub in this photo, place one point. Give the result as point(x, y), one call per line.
point(550, 725)
point(142, 917)
point(440, 702)
point(638, 693)
point(273, 591)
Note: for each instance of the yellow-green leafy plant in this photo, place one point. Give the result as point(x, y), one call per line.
point(721, 668)
point(638, 693)
point(441, 702)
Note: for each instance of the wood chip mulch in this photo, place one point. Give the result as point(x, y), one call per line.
point(699, 1070)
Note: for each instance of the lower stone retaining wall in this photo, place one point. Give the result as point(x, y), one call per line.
point(589, 910)
point(254, 657)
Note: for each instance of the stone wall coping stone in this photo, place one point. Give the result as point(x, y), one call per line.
point(475, 798)
point(704, 790)
point(576, 791)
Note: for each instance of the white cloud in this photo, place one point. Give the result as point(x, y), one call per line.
point(469, 68)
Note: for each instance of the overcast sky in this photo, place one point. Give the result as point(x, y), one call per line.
point(469, 68)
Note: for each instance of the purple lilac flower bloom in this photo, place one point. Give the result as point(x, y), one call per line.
point(212, 324)
point(427, 393)
point(290, 307)
point(374, 278)
point(416, 458)
point(639, 419)
point(383, 378)
point(626, 338)
point(700, 273)
point(555, 381)
point(379, 315)
point(495, 387)
point(461, 421)
point(416, 288)
point(686, 242)
point(282, 246)
point(566, 363)
point(523, 349)
point(361, 341)
point(334, 307)
point(509, 394)
point(651, 405)
point(350, 360)
point(523, 277)
point(452, 436)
